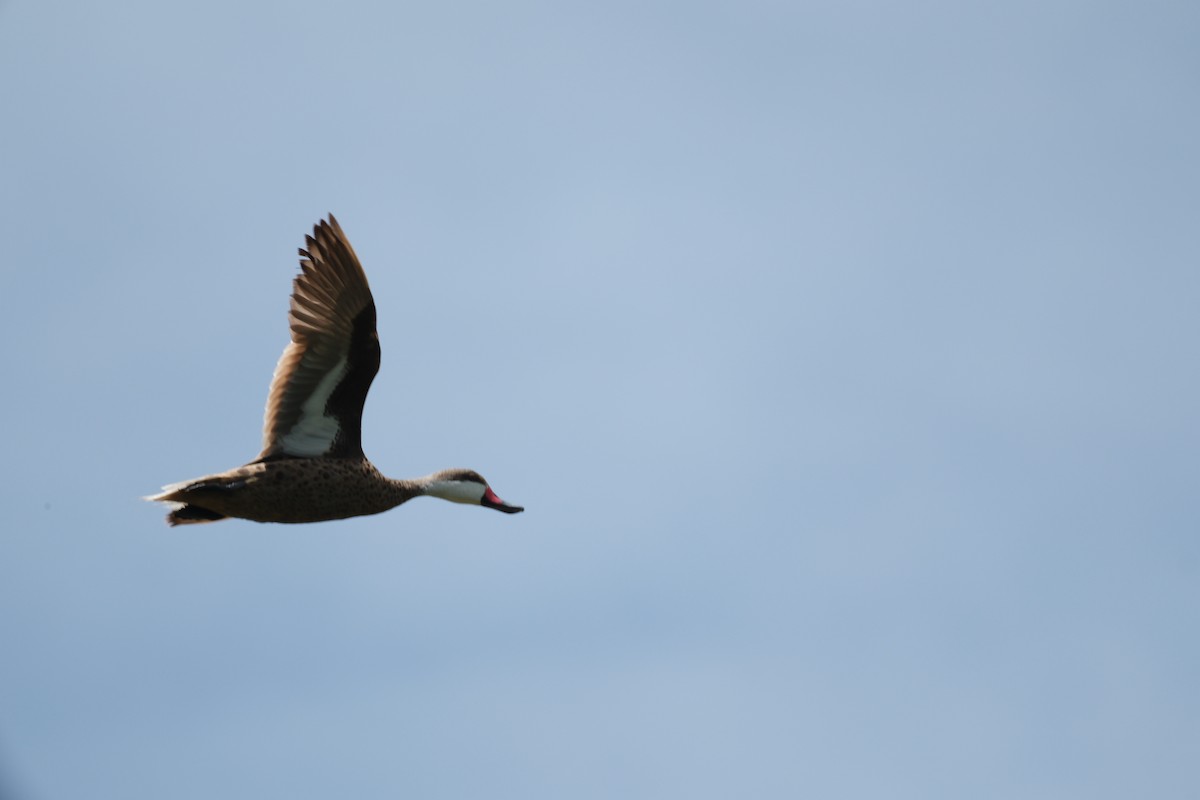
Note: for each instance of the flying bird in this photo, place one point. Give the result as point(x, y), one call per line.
point(312, 466)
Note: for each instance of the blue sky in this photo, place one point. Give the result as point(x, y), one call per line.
point(843, 355)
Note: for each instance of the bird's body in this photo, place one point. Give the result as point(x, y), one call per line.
point(312, 466)
point(293, 490)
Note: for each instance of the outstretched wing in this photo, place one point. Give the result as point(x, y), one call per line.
point(321, 382)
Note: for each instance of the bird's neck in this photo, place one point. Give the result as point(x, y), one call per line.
point(405, 489)
point(401, 490)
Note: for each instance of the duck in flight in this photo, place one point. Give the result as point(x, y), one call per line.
point(312, 466)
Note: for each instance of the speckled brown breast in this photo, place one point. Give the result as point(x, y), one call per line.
point(298, 490)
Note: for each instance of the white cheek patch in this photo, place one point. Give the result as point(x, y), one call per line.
point(315, 431)
point(457, 491)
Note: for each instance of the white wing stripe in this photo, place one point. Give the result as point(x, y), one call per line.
point(314, 433)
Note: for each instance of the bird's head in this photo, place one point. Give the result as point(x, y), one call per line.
point(466, 486)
